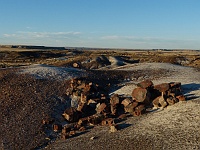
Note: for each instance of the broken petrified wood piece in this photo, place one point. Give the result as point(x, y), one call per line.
point(162, 87)
point(64, 136)
point(82, 107)
point(171, 100)
point(57, 127)
point(114, 101)
point(82, 129)
point(176, 88)
point(83, 121)
point(100, 108)
point(160, 101)
point(113, 128)
point(175, 84)
point(122, 116)
point(141, 95)
point(48, 121)
point(181, 98)
point(76, 65)
point(145, 84)
point(95, 119)
point(131, 107)
point(72, 115)
point(92, 103)
point(84, 97)
point(126, 102)
point(107, 121)
point(139, 110)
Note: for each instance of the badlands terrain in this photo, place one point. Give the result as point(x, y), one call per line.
point(34, 82)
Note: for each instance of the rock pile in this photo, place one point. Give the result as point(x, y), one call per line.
point(91, 105)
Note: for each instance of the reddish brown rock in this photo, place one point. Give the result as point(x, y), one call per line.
point(76, 65)
point(57, 127)
point(162, 87)
point(100, 108)
point(72, 132)
point(139, 110)
point(126, 102)
point(139, 94)
point(83, 121)
point(181, 98)
point(48, 121)
point(156, 103)
point(160, 101)
point(114, 100)
point(82, 129)
point(96, 119)
point(175, 84)
point(122, 116)
point(64, 136)
point(71, 114)
point(108, 121)
point(145, 84)
point(81, 107)
point(113, 128)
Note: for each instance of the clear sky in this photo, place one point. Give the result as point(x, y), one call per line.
point(101, 23)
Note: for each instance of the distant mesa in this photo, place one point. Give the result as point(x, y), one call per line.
point(31, 47)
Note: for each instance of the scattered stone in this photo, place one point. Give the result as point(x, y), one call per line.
point(57, 127)
point(145, 84)
point(126, 102)
point(181, 98)
point(100, 108)
point(113, 128)
point(92, 138)
point(162, 87)
point(139, 110)
point(108, 121)
point(94, 107)
point(72, 115)
point(76, 65)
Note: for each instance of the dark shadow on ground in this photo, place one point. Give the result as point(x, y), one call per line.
point(123, 126)
point(187, 88)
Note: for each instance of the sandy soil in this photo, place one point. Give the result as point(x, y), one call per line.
point(175, 127)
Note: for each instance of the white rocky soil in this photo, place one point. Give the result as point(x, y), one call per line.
point(50, 72)
point(175, 127)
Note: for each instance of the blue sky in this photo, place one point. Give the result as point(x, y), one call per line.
point(101, 23)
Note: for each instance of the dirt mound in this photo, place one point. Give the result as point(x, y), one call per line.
point(95, 62)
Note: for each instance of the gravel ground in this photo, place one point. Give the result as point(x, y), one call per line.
point(175, 127)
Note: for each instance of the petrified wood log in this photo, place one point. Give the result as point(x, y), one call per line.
point(141, 95)
point(100, 107)
point(126, 102)
point(145, 84)
point(162, 87)
point(114, 100)
point(139, 110)
point(72, 115)
point(96, 119)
